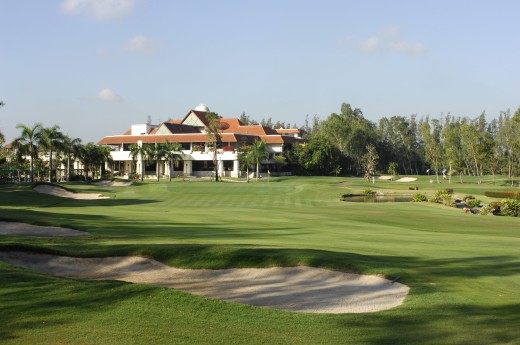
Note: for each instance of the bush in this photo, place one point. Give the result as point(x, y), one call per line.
point(419, 197)
point(77, 178)
point(368, 191)
point(486, 209)
point(495, 207)
point(503, 194)
point(448, 201)
point(468, 197)
point(510, 208)
point(473, 203)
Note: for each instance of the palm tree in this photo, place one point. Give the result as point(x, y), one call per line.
point(245, 159)
point(51, 139)
point(214, 130)
point(29, 139)
point(70, 149)
point(155, 153)
point(258, 152)
point(138, 152)
point(172, 154)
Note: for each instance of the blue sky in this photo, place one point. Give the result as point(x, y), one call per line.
point(94, 67)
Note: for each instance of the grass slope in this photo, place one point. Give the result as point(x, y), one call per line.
point(464, 270)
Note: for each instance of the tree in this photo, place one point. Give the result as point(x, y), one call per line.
point(431, 136)
point(138, 152)
point(51, 139)
point(392, 169)
point(28, 140)
point(70, 149)
point(245, 158)
point(452, 144)
point(214, 129)
point(349, 132)
point(172, 155)
point(369, 161)
point(155, 152)
point(258, 152)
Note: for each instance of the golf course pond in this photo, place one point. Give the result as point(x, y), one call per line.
point(376, 198)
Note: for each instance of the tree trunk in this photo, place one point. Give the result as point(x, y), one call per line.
point(157, 169)
point(50, 165)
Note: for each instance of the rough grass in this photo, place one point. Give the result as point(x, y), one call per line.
point(464, 270)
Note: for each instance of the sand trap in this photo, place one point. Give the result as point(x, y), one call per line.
point(407, 179)
point(108, 183)
point(302, 289)
point(22, 229)
point(57, 191)
point(385, 177)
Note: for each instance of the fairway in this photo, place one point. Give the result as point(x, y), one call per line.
point(463, 270)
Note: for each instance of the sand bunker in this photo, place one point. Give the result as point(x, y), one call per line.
point(302, 289)
point(57, 191)
point(22, 229)
point(108, 183)
point(385, 177)
point(407, 179)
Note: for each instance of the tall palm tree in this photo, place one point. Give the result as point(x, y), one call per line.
point(51, 139)
point(29, 139)
point(155, 152)
point(257, 153)
point(138, 152)
point(70, 149)
point(172, 154)
point(245, 159)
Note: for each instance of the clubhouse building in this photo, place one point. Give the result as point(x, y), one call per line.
point(192, 133)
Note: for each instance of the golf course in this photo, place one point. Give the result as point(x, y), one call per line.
point(462, 269)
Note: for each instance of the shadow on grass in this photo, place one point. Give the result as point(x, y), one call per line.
point(29, 300)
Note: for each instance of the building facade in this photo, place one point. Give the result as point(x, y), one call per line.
point(193, 135)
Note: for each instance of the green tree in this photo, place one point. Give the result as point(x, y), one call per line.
point(71, 150)
point(172, 155)
point(51, 139)
point(138, 152)
point(214, 129)
point(452, 144)
point(155, 153)
point(28, 142)
point(349, 132)
point(245, 159)
point(431, 136)
point(258, 153)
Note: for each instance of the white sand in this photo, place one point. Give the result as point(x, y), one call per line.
point(302, 289)
point(22, 229)
point(385, 177)
point(407, 179)
point(57, 191)
point(108, 183)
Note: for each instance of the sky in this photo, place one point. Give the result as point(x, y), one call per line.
point(95, 67)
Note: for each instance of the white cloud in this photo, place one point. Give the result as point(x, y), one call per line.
point(369, 45)
point(389, 40)
point(142, 44)
point(99, 9)
point(107, 95)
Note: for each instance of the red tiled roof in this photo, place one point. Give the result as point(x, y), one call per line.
point(287, 130)
point(161, 138)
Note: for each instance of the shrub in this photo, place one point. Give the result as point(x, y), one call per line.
point(503, 194)
point(485, 210)
point(419, 197)
point(495, 206)
point(473, 203)
point(468, 197)
point(368, 191)
point(448, 201)
point(77, 178)
point(510, 208)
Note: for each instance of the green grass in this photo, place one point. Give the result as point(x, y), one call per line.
point(463, 270)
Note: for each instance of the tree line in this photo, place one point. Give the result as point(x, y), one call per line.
point(37, 140)
point(347, 143)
